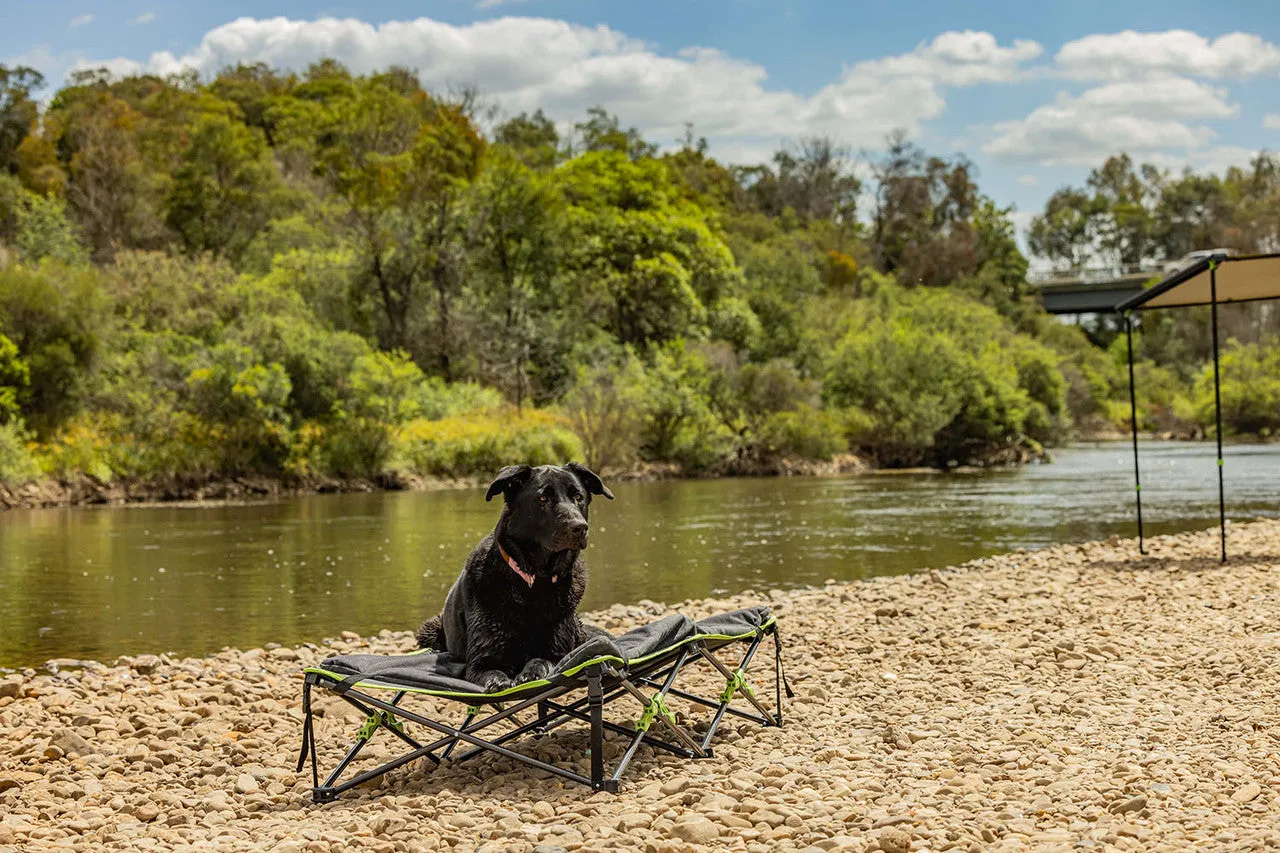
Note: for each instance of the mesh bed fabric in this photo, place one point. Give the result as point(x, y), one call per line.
point(442, 673)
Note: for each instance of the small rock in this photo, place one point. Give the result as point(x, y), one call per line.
point(1135, 804)
point(696, 830)
point(674, 786)
point(246, 784)
point(895, 841)
point(350, 635)
point(17, 778)
point(146, 812)
point(1247, 793)
point(632, 821)
point(145, 664)
point(71, 743)
point(544, 810)
point(11, 688)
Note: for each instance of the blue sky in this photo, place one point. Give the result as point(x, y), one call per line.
point(1034, 94)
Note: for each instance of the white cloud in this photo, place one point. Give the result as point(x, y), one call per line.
point(144, 18)
point(1140, 118)
point(1216, 159)
point(1028, 180)
point(524, 63)
point(81, 20)
point(1125, 55)
point(958, 59)
point(1271, 121)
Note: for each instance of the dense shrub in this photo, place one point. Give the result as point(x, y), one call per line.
point(54, 314)
point(807, 433)
point(479, 445)
point(17, 466)
point(936, 379)
point(606, 409)
point(1249, 387)
point(15, 378)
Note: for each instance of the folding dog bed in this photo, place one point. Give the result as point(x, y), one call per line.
point(604, 669)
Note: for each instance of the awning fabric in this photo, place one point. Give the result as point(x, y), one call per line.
point(1239, 279)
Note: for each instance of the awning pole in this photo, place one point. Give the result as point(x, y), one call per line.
point(1133, 421)
point(1217, 405)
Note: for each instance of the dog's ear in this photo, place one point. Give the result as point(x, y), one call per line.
point(508, 481)
point(590, 480)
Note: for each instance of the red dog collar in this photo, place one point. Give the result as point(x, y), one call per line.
point(515, 567)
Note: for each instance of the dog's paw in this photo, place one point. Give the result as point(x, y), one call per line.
point(497, 682)
point(535, 670)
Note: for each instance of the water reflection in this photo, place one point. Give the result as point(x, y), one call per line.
point(98, 582)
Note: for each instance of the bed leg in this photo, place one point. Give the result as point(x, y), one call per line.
point(595, 707)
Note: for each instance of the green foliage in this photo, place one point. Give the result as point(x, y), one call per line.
point(646, 263)
point(807, 433)
point(679, 424)
point(242, 405)
point(605, 407)
point(936, 379)
point(42, 230)
point(224, 191)
point(54, 315)
point(17, 466)
point(321, 273)
point(1250, 389)
point(481, 445)
point(15, 378)
point(18, 110)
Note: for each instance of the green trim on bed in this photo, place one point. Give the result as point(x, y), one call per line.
point(542, 682)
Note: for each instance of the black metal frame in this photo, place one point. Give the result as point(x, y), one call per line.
point(603, 684)
point(1136, 303)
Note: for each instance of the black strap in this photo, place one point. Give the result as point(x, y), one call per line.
point(306, 726)
point(347, 683)
point(779, 673)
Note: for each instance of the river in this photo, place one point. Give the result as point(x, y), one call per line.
point(97, 582)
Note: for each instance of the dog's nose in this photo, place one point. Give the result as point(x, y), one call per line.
point(578, 528)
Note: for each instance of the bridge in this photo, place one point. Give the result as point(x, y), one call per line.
point(1091, 290)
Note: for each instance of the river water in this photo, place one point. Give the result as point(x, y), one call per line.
point(97, 582)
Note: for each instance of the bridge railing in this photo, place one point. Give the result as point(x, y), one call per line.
point(1093, 275)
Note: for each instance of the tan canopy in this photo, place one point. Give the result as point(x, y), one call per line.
point(1238, 279)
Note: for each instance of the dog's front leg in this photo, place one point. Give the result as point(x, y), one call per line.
point(535, 670)
point(493, 680)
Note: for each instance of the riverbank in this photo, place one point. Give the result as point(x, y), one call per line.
point(89, 491)
point(1082, 696)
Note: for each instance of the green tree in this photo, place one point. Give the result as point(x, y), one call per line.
point(402, 163)
point(18, 111)
point(55, 316)
point(42, 230)
point(601, 131)
point(646, 264)
point(225, 190)
point(15, 378)
point(1250, 389)
point(531, 139)
point(517, 217)
point(1063, 233)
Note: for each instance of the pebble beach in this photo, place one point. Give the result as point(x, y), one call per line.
point(1081, 697)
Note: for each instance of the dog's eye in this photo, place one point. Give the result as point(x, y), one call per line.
point(542, 498)
point(577, 499)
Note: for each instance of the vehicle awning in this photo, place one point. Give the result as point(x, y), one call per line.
point(1238, 279)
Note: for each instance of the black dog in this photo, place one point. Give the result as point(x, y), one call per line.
point(512, 611)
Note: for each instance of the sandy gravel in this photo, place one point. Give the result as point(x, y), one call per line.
point(1076, 698)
